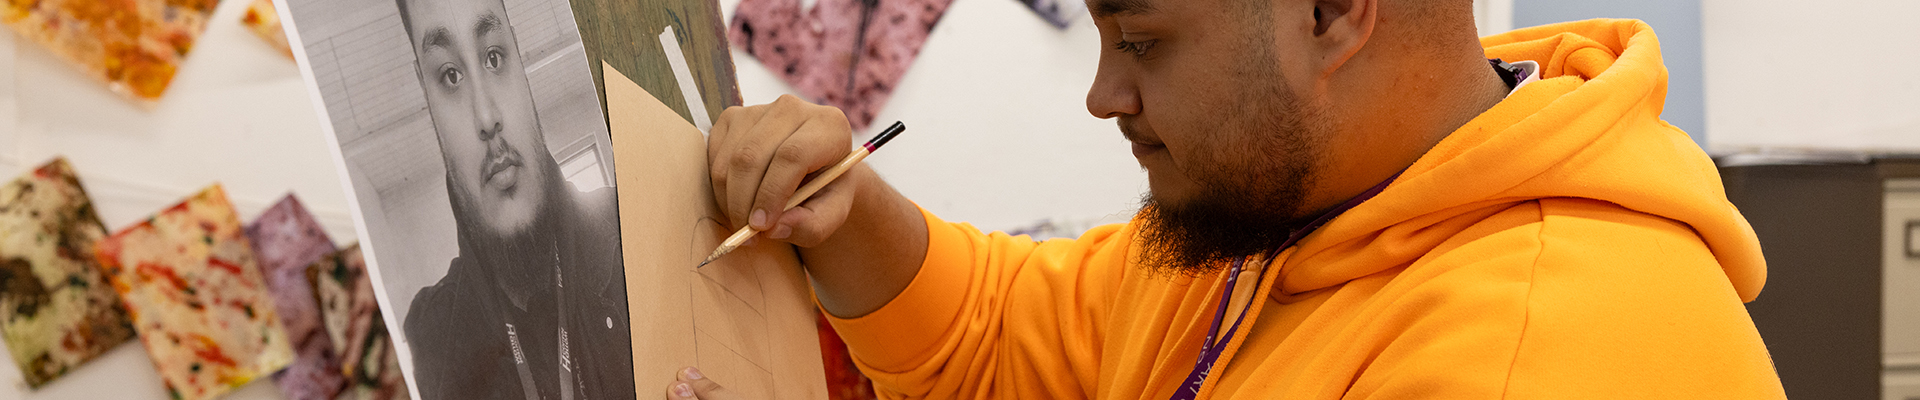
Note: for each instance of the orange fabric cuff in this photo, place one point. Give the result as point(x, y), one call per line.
point(904, 333)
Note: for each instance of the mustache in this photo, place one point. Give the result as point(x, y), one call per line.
point(1134, 131)
point(500, 154)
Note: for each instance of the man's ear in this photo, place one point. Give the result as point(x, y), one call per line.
point(1340, 29)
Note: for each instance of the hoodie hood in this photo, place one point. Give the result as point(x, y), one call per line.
point(1590, 128)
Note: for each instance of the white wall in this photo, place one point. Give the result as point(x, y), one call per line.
point(998, 132)
point(1833, 75)
point(1675, 22)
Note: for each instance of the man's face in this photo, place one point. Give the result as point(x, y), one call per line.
point(482, 110)
point(1201, 89)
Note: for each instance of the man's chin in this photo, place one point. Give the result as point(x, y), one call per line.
point(1199, 236)
point(511, 218)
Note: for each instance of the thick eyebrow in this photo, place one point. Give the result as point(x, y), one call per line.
point(436, 38)
point(1111, 8)
point(487, 24)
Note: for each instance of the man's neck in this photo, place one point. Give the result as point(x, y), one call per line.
point(1412, 107)
point(527, 265)
point(523, 275)
point(1475, 87)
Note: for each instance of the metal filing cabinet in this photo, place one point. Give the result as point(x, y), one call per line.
point(1900, 338)
point(1841, 310)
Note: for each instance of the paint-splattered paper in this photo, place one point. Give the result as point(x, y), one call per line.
point(135, 46)
point(354, 325)
point(264, 23)
point(197, 297)
point(58, 310)
point(849, 54)
point(286, 239)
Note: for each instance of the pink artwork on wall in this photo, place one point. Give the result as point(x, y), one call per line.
point(848, 54)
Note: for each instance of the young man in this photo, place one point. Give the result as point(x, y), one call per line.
point(533, 307)
point(1348, 200)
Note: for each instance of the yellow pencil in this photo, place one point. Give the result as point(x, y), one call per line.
point(806, 191)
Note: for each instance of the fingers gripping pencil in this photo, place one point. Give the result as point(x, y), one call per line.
point(806, 191)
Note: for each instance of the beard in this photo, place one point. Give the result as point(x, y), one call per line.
point(1252, 187)
point(529, 243)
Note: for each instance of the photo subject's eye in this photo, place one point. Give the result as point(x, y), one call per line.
point(451, 76)
point(494, 58)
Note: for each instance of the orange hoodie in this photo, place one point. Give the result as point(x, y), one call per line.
point(1565, 244)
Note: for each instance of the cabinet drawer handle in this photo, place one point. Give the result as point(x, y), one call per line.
point(1912, 226)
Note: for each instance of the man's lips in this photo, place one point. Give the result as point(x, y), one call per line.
point(1141, 150)
point(500, 171)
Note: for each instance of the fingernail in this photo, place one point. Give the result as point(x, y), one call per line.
point(758, 220)
point(693, 373)
point(683, 390)
point(781, 232)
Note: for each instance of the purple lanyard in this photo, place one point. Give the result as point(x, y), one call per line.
point(1216, 344)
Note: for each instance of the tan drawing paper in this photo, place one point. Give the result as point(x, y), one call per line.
point(747, 320)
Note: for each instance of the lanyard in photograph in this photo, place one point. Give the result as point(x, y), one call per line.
point(1211, 349)
point(565, 368)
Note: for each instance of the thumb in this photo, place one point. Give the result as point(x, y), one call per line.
point(818, 218)
point(692, 385)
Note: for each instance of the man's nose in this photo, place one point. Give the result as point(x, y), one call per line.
point(486, 110)
point(1112, 94)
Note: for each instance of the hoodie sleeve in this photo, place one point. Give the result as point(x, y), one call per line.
point(993, 316)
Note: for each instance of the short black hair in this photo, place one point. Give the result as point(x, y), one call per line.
point(405, 23)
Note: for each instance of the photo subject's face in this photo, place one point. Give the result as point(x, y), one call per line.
point(482, 109)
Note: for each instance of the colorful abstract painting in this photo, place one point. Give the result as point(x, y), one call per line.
point(198, 299)
point(135, 46)
point(56, 307)
point(264, 23)
point(354, 325)
point(286, 239)
point(849, 54)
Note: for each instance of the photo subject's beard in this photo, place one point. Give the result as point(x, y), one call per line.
point(524, 245)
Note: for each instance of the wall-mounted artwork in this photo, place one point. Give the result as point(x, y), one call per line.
point(1060, 13)
point(849, 54)
point(56, 308)
point(134, 46)
point(202, 308)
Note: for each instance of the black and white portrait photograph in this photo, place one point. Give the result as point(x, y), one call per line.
point(482, 173)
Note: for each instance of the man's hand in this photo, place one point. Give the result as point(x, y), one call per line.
point(861, 242)
point(761, 154)
point(691, 385)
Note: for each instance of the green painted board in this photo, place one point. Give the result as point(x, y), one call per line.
point(626, 34)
